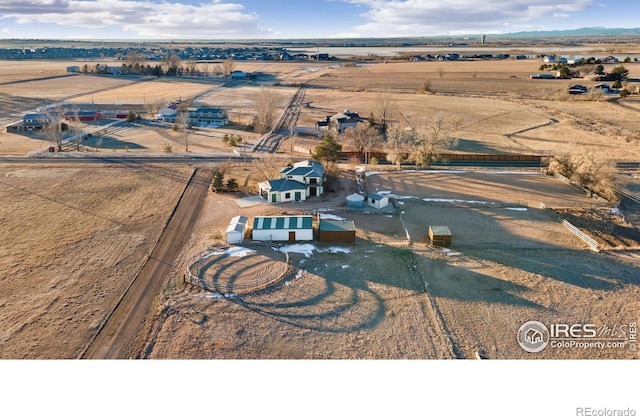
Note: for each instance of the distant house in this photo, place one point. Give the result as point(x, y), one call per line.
point(73, 69)
point(297, 183)
point(550, 59)
point(30, 122)
point(339, 122)
point(208, 116)
point(203, 116)
point(283, 228)
point(170, 110)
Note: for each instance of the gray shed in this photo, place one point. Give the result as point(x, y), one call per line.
point(236, 229)
point(377, 201)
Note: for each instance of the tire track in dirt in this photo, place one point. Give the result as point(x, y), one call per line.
point(433, 314)
point(115, 337)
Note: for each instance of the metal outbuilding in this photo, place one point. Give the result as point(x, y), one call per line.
point(283, 228)
point(236, 229)
point(377, 201)
point(337, 231)
point(440, 235)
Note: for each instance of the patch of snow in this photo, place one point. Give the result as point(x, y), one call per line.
point(331, 217)
point(511, 172)
point(450, 252)
point(300, 273)
point(338, 250)
point(458, 201)
point(306, 249)
point(239, 251)
point(345, 266)
point(517, 209)
point(367, 174)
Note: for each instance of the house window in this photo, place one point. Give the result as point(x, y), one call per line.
point(313, 181)
point(287, 195)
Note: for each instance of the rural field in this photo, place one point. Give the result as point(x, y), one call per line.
point(74, 235)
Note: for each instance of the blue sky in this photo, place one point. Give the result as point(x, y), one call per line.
point(282, 19)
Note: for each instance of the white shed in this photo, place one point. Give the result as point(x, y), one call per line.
point(236, 229)
point(283, 228)
point(377, 201)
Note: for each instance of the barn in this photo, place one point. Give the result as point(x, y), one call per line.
point(236, 229)
point(377, 201)
point(83, 115)
point(337, 231)
point(283, 228)
point(439, 235)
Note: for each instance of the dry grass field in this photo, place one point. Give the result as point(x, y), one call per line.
point(74, 236)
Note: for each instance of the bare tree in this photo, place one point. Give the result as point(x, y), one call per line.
point(134, 58)
point(426, 138)
point(268, 167)
point(52, 127)
point(363, 138)
point(192, 66)
point(228, 66)
point(266, 106)
point(385, 110)
point(218, 71)
point(172, 61)
point(184, 127)
point(398, 145)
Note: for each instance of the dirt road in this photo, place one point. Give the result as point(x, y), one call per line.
point(115, 337)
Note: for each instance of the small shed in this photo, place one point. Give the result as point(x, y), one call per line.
point(355, 201)
point(337, 231)
point(440, 235)
point(236, 229)
point(283, 228)
point(377, 201)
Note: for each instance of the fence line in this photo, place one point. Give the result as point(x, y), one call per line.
point(591, 242)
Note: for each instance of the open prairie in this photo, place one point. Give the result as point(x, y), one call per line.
point(74, 236)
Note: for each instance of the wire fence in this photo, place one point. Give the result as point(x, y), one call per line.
point(218, 270)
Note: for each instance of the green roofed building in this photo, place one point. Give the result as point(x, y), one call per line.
point(337, 231)
point(283, 228)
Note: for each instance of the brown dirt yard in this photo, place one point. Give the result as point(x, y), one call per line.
point(382, 298)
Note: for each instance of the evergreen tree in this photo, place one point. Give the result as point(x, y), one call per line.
point(328, 150)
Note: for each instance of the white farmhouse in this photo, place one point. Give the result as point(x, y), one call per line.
point(299, 182)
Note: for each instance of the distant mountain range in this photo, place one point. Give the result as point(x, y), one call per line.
point(582, 32)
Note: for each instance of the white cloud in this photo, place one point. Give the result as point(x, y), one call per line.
point(428, 17)
point(142, 17)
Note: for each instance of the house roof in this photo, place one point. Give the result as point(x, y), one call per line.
point(295, 222)
point(336, 225)
point(282, 185)
point(305, 168)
